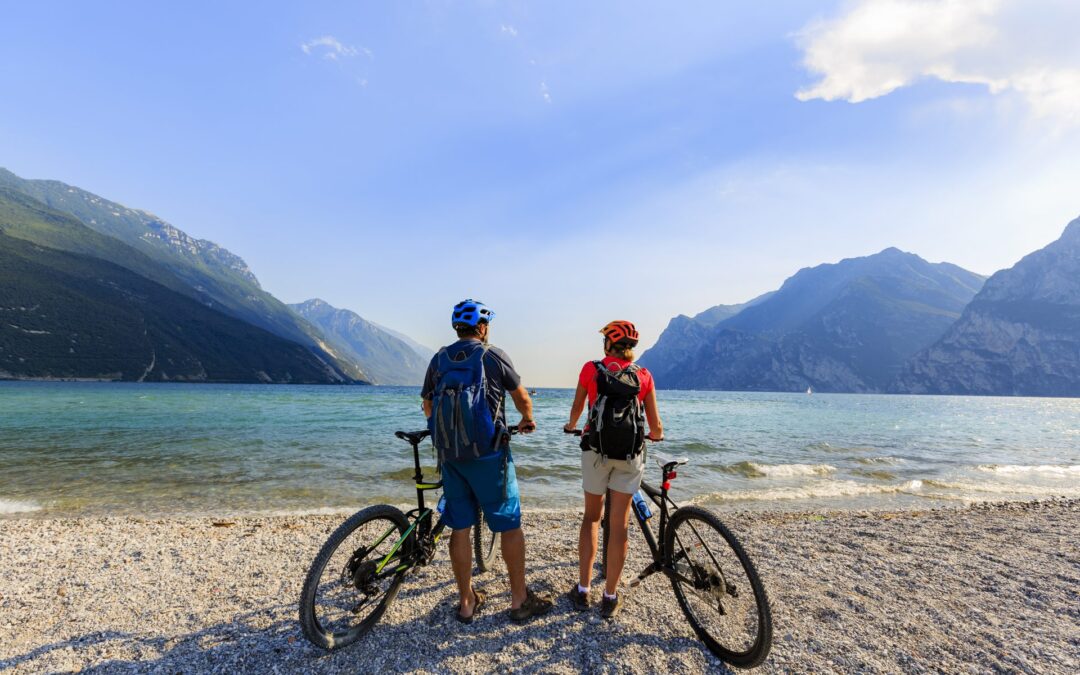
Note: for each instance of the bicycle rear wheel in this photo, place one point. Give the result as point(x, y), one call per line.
point(483, 543)
point(354, 577)
point(718, 587)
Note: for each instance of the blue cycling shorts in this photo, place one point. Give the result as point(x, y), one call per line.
point(481, 483)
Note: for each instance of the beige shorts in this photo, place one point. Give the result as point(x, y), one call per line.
point(598, 475)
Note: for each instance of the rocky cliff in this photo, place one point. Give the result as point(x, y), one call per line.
point(1019, 336)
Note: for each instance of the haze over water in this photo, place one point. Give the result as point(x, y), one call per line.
point(105, 449)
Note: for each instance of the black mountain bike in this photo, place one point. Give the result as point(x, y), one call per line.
point(358, 571)
point(716, 584)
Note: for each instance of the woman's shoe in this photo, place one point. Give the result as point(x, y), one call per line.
point(579, 599)
point(609, 607)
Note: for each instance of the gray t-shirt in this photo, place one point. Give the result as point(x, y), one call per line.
point(498, 369)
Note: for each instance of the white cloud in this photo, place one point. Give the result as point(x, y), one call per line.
point(545, 92)
point(507, 29)
point(1024, 47)
point(331, 48)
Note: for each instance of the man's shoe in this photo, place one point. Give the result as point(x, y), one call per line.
point(579, 599)
point(478, 601)
point(534, 605)
point(609, 607)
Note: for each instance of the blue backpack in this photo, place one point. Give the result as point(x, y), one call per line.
point(462, 424)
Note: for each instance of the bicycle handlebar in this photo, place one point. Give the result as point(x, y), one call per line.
point(417, 436)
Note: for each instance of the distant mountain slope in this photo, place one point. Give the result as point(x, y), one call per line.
point(848, 326)
point(385, 357)
point(684, 336)
point(1019, 336)
point(423, 350)
point(202, 269)
point(64, 315)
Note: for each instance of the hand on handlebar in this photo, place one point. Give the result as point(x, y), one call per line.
point(650, 437)
point(526, 426)
point(569, 429)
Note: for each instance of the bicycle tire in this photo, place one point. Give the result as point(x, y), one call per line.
point(313, 629)
point(483, 543)
point(683, 522)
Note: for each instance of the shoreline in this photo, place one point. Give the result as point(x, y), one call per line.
point(745, 509)
point(992, 585)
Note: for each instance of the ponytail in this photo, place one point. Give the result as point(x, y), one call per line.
point(623, 350)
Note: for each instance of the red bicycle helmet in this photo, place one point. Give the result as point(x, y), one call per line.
point(617, 331)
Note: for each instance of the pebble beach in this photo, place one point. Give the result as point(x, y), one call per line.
point(986, 588)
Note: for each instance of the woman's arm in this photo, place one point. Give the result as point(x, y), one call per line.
point(652, 414)
point(576, 408)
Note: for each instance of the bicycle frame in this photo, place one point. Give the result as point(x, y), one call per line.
point(421, 527)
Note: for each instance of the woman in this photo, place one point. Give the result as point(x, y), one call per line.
point(613, 453)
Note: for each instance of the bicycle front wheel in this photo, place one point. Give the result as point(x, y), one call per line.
point(718, 587)
point(355, 577)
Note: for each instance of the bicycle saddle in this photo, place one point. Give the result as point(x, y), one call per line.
point(668, 463)
point(413, 437)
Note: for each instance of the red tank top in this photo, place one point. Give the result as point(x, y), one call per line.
point(587, 378)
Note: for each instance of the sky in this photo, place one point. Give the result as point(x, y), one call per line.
point(566, 163)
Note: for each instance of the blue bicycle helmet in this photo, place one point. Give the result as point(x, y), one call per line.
point(471, 312)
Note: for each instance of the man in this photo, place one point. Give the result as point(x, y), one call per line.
point(488, 480)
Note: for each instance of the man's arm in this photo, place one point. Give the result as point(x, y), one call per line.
point(523, 403)
point(427, 407)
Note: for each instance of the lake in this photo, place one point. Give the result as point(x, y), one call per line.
point(88, 449)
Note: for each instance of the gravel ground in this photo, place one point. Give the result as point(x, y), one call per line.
point(992, 588)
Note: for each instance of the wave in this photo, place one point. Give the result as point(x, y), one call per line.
point(1048, 469)
point(824, 446)
point(821, 489)
point(876, 474)
point(876, 460)
point(14, 506)
point(756, 470)
point(970, 488)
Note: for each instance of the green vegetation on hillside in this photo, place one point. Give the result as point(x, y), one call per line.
point(64, 315)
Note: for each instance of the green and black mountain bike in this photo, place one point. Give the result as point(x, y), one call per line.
point(358, 571)
point(715, 582)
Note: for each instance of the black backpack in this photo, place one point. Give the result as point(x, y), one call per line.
point(616, 425)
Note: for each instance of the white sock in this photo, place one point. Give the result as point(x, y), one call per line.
point(610, 597)
point(582, 589)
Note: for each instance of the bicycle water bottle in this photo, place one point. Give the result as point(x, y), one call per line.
point(641, 507)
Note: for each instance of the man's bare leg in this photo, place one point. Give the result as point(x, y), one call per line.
point(461, 562)
point(513, 553)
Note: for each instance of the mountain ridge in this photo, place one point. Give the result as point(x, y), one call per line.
point(845, 326)
point(211, 274)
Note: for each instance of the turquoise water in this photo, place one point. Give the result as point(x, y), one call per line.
point(156, 449)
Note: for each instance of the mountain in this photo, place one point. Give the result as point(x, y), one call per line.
point(684, 335)
point(1019, 336)
point(65, 315)
point(383, 354)
point(848, 326)
point(198, 268)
